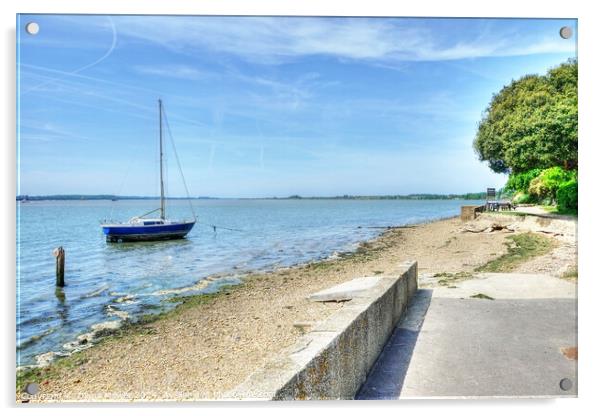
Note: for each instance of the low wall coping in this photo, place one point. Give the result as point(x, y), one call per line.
point(333, 360)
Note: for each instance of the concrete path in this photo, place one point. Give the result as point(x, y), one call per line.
point(452, 345)
point(539, 211)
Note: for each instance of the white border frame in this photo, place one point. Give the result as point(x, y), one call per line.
point(589, 89)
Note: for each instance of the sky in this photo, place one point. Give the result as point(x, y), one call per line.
point(266, 106)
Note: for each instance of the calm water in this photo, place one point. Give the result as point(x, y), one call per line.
point(264, 234)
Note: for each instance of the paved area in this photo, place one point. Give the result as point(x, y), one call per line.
point(453, 345)
point(537, 210)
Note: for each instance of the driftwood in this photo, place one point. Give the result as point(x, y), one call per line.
point(493, 227)
point(389, 227)
point(554, 233)
point(469, 230)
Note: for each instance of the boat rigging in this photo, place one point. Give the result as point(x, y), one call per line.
point(141, 228)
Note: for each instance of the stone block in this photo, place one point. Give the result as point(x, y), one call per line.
point(469, 212)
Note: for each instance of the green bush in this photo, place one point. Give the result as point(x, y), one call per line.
point(545, 186)
point(523, 198)
point(519, 182)
point(537, 188)
point(567, 196)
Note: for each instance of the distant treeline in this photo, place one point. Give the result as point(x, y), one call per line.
point(90, 197)
point(474, 195)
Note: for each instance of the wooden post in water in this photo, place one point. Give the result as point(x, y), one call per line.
point(59, 253)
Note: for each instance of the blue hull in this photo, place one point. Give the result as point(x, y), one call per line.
point(125, 232)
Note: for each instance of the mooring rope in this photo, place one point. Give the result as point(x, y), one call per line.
point(216, 227)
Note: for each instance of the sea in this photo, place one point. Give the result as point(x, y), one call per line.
point(114, 282)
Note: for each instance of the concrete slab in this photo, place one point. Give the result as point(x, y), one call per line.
point(451, 345)
point(511, 286)
point(347, 290)
point(493, 348)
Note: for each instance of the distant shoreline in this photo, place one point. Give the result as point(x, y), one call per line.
point(468, 196)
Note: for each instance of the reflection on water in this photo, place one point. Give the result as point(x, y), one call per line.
point(62, 307)
point(109, 281)
point(147, 246)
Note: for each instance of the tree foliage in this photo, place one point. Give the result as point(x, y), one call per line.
point(532, 123)
point(519, 182)
point(548, 182)
point(567, 196)
point(523, 198)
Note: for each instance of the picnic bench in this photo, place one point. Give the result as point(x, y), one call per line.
point(499, 206)
point(492, 204)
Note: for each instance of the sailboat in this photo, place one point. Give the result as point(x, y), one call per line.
point(141, 228)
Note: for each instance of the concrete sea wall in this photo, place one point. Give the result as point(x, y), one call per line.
point(334, 358)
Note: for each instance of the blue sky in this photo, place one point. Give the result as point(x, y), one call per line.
point(267, 106)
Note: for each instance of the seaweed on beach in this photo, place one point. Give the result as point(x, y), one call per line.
point(449, 279)
point(41, 375)
point(521, 247)
point(482, 296)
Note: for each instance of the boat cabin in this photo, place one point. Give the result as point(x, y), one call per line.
point(147, 221)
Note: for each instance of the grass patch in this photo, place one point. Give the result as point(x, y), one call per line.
point(450, 279)
point(553, 209)
point(571, 274)
point(521, 247)
point(40, 375)
point(481, 296)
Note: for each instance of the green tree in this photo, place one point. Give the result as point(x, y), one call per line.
point(519, 182)
point(532, 123)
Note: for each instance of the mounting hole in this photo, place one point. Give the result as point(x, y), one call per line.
point(566, 32)
point(32, 28)
point(32, 388)
point(566, 384)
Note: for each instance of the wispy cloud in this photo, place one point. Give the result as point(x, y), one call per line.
point(47, 132)
point(173, 71)
point(72, 86)
point(278, 39)
point(89, 65)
